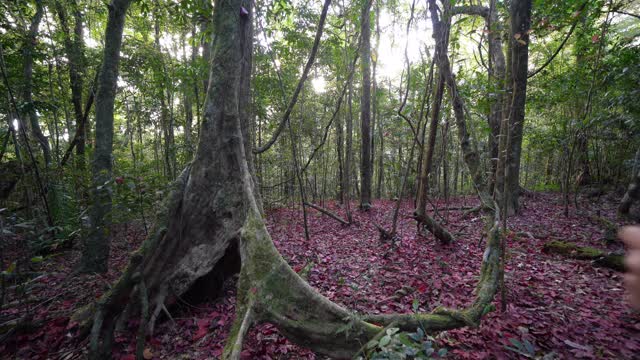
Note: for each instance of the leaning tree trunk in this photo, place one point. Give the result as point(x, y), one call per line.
point(211, 225)
point(420, 214)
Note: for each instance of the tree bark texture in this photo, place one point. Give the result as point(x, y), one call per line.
point(95, 254)
point(520, 13)
point(365, 106)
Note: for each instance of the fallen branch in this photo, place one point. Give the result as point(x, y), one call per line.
point(453, 208)
point(327, 212)
point(433, 227)
point(573, 251)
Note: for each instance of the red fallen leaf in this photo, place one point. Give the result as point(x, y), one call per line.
point(203, 329)
point(422, 288)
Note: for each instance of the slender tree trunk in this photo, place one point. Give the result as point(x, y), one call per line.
point(365, 106)
point(188, 106)
point(633, 192)
point(95, 254)
point(348, 155)
point(379, 190)
point(74, 47)
point(520, 12)
point(497, 75)
point(166, 120)
point(427, 157)
point(206, 33)
point(375, 108)
point(27, 95)
point(341, 161)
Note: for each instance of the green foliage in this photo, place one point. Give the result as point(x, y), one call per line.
point(524, 347)
point(395, 344)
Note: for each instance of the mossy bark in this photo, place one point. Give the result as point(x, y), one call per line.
point(599, 257)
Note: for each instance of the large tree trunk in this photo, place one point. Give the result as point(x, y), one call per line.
point(95, 253)
point(365, 106)
point(211, 227)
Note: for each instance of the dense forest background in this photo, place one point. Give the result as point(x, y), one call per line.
point(370, 115)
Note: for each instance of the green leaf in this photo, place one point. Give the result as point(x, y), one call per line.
point(37, 259)
point(391, 331)
point(488, 308)
point(516, 343)
point(384, 341)
point(404, 340)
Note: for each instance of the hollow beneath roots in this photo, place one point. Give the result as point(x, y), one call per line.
point(210, 286)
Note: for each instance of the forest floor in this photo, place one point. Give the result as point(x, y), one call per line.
point(566, 308)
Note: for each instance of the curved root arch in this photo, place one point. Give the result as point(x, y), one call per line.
point(213, 208)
